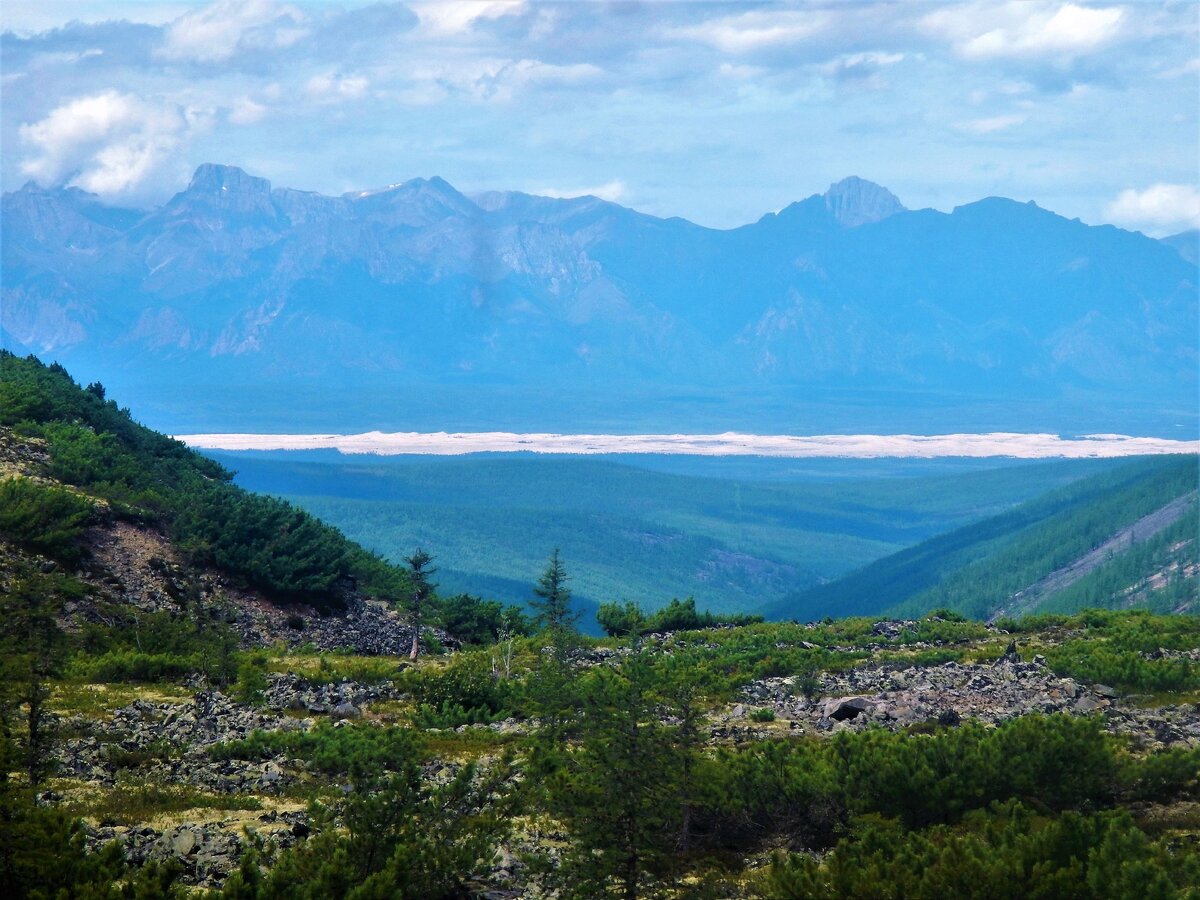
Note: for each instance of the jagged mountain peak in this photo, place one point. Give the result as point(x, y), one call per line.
point(219, 190)
point(414, 203)
point(214, 177)
point(855, 201)
point(434, 186)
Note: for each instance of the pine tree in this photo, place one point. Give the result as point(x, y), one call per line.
point(619, 790)
point(420, 593)
point(554, 607)
point(33, 648)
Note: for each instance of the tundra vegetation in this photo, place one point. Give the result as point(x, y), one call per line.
point(170, 752)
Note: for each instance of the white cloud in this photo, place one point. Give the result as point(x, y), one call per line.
point(532, 71)
point(870, 58)
point(1028, 28)
point(755, 30)
point(328, 87)
point(861, 68)
point(107, 143)
point(246, 112)
point(613, 191)
point(493, 79)
point(448, 17)
point(1191, 67)
point(992, 124)
point(1159, 209)
point(63, 58)
point(218, 31)
point(33, 16)
point(739, 72)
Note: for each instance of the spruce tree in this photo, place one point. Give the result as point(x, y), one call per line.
point(620, 787)
point(420, 594)
point(554, 606)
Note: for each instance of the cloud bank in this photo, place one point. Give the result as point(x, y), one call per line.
point(858, 446)
point(1159, 209)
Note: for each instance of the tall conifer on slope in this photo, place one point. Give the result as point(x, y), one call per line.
point(554, 603)
point(420, 594)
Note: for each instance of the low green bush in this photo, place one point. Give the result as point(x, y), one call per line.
point(465, 687)
point(348, 749)
point(1009, 849)
point(42, 518)
point(132, 665)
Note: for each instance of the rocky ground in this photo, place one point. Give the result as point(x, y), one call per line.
point(896, 696)
point(165, 742)
point(161, 746)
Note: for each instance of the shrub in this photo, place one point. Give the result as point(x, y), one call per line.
point(465, 685)
point(251, 680)
point(476, 621)
point(621, 619)
point(42, 518)
point(1008, 850)
point(334, 751)
point(154, 647)
point(133, 665)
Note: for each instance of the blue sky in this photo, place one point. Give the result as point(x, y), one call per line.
point(717, 112)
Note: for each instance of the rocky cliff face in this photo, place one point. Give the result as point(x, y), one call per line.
point(854, 201)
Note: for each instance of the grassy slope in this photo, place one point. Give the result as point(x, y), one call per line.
point(976, 568)
point(629, 532)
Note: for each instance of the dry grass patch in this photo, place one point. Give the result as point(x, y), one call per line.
point(100, 701)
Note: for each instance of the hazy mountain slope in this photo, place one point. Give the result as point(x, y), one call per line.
point(1187, 243)
point(235, 282)
point(979, 568)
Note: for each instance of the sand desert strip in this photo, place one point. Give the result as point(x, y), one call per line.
point(858, 446)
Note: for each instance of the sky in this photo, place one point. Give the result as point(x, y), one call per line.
point(716, 112)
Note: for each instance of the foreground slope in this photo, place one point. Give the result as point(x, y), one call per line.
point(1127, 537)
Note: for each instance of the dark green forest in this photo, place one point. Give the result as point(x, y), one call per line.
point(734, 538)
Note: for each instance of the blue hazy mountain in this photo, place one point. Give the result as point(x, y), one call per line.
point(1187, 243)
point(416, 287)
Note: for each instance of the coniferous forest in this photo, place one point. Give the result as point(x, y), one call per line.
point(208, 692)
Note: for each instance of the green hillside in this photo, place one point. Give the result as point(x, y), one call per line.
point(146, 478)
point(979, 568)
point(734, 542)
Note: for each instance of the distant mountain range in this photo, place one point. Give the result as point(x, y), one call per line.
point(417, 288)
